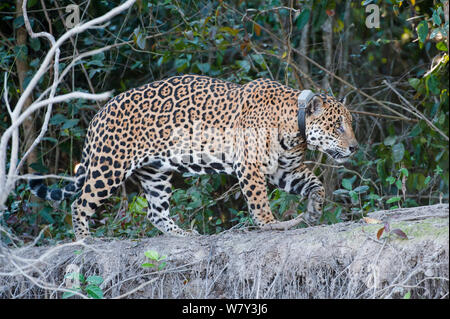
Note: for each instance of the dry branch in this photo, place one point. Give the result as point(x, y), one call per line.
point(344, 260)
point(414, 111)
point(18, 115)
point(318, 65)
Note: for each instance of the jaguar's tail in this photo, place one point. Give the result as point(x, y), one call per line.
point(38, 187)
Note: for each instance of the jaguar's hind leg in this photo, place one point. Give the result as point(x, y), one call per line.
point(158, 189)
point(98, 187)
point(80, 218)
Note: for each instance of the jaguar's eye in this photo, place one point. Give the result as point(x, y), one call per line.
point(339, 128)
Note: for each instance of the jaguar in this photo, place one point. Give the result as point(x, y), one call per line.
point(258, 132)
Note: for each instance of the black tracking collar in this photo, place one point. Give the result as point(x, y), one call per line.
point(303, 100)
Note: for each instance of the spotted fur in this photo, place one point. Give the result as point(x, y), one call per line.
point(202, 125)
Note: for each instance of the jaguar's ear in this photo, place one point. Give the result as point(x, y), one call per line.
point(343, 100)
point(315, 106)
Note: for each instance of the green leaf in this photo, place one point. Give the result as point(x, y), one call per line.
point(57, 119)
point(68, 294)
point(75, 276)
point(35, 44)
point(94, 291)
point(148, 265)
point(138, 205)
point(442, 118)
point(438, 170)
point(69, 124)
point(340, 191)
point(162, 265)
point(18, 22)
point(303, 18)
point(407, 295)
point(348, 182)
point(137, 64)
point(50, 139)
point(141, 41)
point(229, 30)
point(404, 171)
point(31, 3)
point(35, 62)
point(427, 180)
point(380, 169)
point(440, 154)
point(92, 72)
point(390, 180)
point(441, 46)
point(398, 151)
point(393, 199)
point(432, 83)
point(39, 167)
point(181, 64)
point(422, 31)
point(436, 18)
point(389, 141)
point(143, 6)
point(95, 280)
point(45, 214)
point(96, 61)
point(353, 196)
point(152, 254)
point(416, 130)
point(373, 196)
point(434, 33)
point(361, 189)
point(258, 59)
point(204, 67)
point(414, 82)
point(244, 65)
point(141, 202)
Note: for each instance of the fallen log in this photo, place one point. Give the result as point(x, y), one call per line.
point(344, 260)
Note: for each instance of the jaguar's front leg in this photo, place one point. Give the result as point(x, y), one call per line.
point(315, 205)
point(253, 187)
point(301, 181)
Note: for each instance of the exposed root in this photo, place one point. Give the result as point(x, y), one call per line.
point(344, 260)
point(283, 225)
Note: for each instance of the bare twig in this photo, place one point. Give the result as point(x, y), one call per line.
point(391, 117)
point(18, 115)
point(415, 112)
point(319, 65)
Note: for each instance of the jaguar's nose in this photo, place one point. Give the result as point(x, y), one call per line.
point(353, 148)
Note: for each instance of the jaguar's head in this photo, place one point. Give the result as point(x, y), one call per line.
point(329, 128)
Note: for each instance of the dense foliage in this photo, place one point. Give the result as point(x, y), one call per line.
point(403, 64)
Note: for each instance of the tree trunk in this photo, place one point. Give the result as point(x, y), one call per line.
point(344, 260)
point(304, 43)
point(327, 36)
point(345, 47)
point(22, 69)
